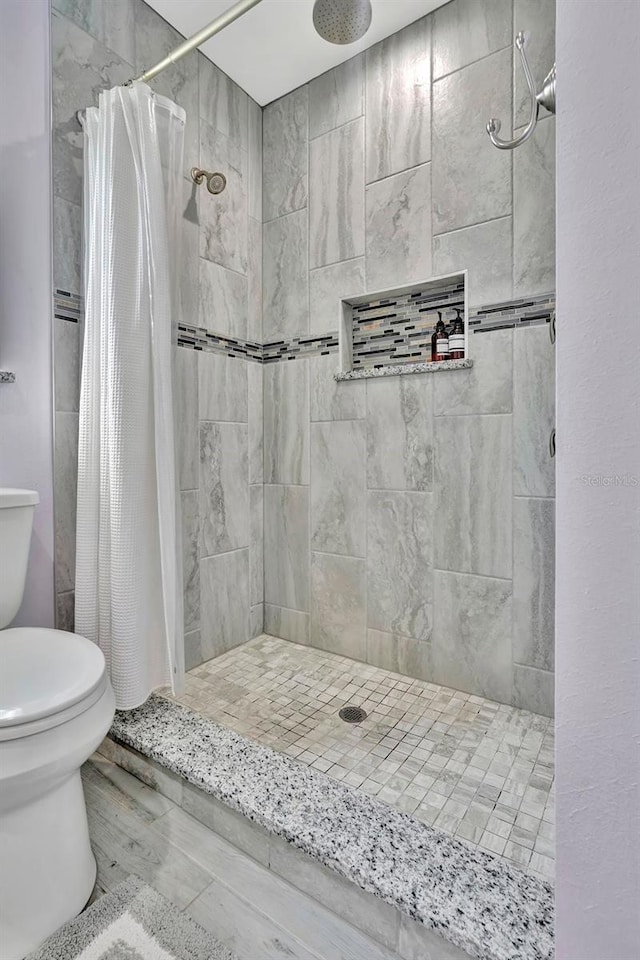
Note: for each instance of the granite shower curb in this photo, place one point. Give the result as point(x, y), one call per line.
point(474, 900)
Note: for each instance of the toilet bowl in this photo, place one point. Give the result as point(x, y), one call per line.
point(56, 705)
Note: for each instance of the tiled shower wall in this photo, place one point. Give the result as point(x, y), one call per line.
point(409, 521)
point(97, 44)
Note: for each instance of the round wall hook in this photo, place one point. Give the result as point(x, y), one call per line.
point(546, 98)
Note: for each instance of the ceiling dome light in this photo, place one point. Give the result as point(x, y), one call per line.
point(342, 21)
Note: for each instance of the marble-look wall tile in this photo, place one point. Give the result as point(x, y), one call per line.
point(155, 39)
point(330, 400)
point(111, 23)
point(399, 229)
point(400, 433)
point(67, 246)
point(81, 68)
point(485, 251)
point(471, 180)
point(223, 104)
point(255, 160)
point(465, 30)
point(291, 625)
point(191, 559)
point(336, 96)
point(285, 149)
point(224, 218)
point(189, 270)
point(256, 423)
point(224, 490)
point(222, 387)
point(336, 189)
point(192, 650)
point(187, 429)
point(65, 611)
point(286, 422)
point(67, 365)
point(256, 617)
point(254, 320)
point(399, 101)
point(404, 655)
point(338, 618)
point(285, 303)
point(286, 546)
point(533, 690)
point(538, 20)
point(223, 300)
point(534, 222)
point(485, 388)
point(399, 575)
point(533, 582)
point(65, 493)
point(338, 504)
point(256, 553)
point(224, 590)
point(471, 640)
point(472, 491)
point(327, 287)
point(533, 412)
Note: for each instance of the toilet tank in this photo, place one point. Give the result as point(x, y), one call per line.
point(16, 520)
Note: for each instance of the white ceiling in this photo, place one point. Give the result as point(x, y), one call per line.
point(274, 48)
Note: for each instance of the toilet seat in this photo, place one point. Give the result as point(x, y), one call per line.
point(47, 677)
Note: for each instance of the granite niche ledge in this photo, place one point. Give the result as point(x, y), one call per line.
point(7, 377)
point(404, 369)
point(474, 900)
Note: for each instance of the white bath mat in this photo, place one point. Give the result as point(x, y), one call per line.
point(132, 922)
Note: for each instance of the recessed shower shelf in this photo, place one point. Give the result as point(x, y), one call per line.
point(389, 332)
point(7, 377)
point(402, 369)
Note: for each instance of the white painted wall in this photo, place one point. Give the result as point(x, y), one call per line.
point(26, 407)
point(598, 525)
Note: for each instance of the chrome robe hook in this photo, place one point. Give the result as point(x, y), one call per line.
point(546, 98)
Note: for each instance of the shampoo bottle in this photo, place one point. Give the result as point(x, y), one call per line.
point(456, 338)
point(440, 341)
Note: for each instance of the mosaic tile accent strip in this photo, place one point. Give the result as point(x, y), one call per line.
point(197, 338)
point(402, 332)
point(398, 329)
point(513, 314)
point(275, 350)
point(67, 306)
point(479, 770)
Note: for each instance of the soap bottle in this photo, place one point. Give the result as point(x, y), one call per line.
point(456, 338)
point(440, 341)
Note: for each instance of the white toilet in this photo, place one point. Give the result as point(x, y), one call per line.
point(56, 705)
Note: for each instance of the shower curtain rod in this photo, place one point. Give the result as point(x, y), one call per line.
point(199, 38)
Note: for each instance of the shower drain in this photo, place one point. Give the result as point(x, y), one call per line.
point(352, 714)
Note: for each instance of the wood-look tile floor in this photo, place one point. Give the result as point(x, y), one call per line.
point(480, 770)
point(135, 830)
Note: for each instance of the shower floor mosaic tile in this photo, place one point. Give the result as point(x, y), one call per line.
point(479, 770)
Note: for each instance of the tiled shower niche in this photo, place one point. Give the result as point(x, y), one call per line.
point(394, 327)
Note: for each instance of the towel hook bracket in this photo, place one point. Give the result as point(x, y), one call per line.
point(545, 98)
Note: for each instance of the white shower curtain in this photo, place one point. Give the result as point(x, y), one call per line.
point(128, 566)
